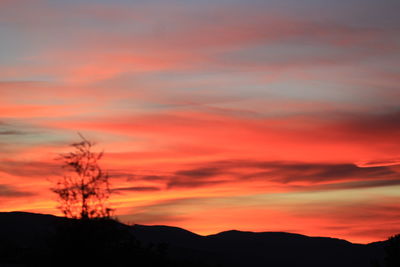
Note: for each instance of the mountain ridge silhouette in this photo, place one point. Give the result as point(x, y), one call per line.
point(227, 248)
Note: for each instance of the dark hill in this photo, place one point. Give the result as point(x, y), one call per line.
point(237, 248)
point(230, 248)
point(26, 229)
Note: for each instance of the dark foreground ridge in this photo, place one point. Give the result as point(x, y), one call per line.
point(28, 239)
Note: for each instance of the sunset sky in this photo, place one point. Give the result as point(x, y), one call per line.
point(273, 115)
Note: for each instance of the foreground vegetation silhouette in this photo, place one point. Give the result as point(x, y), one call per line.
point(100, 242)
point(90, 242)
point(392, 253)
point(84, 189)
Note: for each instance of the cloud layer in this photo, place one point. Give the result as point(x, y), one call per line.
point(254, 115)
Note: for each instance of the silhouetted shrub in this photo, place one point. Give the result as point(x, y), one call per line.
point(101, 242)
point(392, 253)
point(98, 242)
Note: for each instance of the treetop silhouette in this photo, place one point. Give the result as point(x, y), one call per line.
point(84, 189)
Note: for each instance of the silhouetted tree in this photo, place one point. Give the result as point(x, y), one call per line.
point(392, 250)
point(392, 253)
point(84, 190)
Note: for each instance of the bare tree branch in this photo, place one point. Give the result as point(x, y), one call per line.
point(84, 190)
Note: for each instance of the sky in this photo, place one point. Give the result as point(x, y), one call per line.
point(274, 115)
